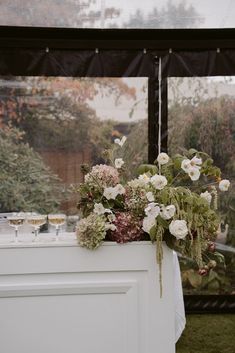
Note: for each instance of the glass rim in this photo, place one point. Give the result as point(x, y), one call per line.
point(56, 215)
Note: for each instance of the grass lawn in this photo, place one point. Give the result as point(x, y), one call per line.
point(208, 334)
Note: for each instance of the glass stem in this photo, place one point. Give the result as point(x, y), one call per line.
point(35, 233)
point(16, 235)
point(57, 232)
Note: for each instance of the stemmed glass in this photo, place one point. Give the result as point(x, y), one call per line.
point(57, 220)
point(16, 221)
point(36, 221)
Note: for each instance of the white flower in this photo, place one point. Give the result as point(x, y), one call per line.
point(99, 209)
point(150, 196)
point(185, 165)
point(118, 163)
point(196, 161)
point(111, 217)
point(134, 183)
point(120, 189)
point(167, 212)
point(152, 210)
point(178, 228)
point(163, 158)
point(224, 185)
point(120, 142)
point(110, 226)
point(206, 196)
point(159, 181)
point(148, 223)
point(110, 193)
point(144, 178)
point(188, 164)
point(194, 173)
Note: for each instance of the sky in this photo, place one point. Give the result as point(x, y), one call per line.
point(105, 105)
point(106, 108)
point(216, 13)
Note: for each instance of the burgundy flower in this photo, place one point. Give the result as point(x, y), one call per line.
point(211, 246)
point(202, 271)
point(128, 228)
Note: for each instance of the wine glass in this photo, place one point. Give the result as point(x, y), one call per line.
point(57, 220)
point(36, 221)
point(16, 220)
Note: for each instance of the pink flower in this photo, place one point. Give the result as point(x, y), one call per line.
point(104, 175)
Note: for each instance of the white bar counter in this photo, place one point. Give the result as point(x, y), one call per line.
point(57, 297)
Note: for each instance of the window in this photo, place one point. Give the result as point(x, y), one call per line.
point(50, 126)
point(202, 116)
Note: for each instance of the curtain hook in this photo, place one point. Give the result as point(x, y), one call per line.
point(144, 51)
point(47, 50)
point(218, 50)
point(97, 50)
point(170, 50)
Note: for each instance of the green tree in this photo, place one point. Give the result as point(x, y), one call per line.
point(26, 184)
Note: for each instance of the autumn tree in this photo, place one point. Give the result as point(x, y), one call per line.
point(55, 112)
point(56, 13)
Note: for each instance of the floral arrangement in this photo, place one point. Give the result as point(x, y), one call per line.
point(173, 200)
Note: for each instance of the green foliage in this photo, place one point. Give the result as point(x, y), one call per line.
point(147, 168)
point(208, 124)
point(26, 184)
point(135, 150)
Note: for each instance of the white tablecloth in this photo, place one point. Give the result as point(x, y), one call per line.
point(180, 319)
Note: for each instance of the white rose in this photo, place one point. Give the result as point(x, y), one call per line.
point(224, 185)
point(167, 212)
point(120, 142)
point(194, 173)
point(185, 165)
point(110, 193)
point(150, 196)
point(163, 158)
point(119, 189)
point(144, 178)
point(110, 226)
point(206, 196)
point(152, 210)
point(178, 228)
point(118, 163)
point(159, 181)
point(148, 223)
